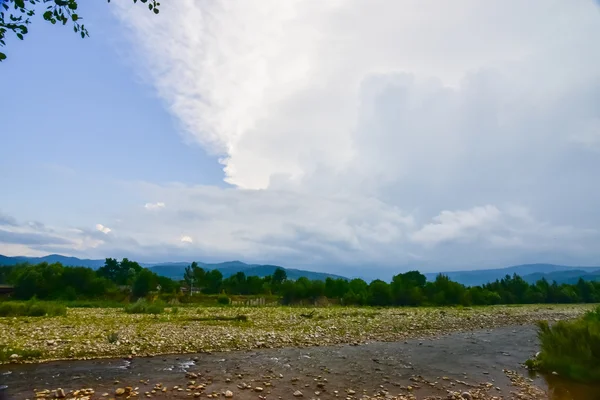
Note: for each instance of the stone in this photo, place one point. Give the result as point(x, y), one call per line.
point(351, 392)
point(60, 393)
point(298, 393)
point(258, 389)
point(466, 396)
point(119, 391)
point(229, 394)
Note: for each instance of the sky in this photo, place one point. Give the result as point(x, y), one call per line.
point(341, 136)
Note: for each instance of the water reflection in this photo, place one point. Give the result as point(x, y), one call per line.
point(562, 389)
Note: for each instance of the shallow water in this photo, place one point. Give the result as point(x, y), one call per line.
point(561, 389)
point(473, 357)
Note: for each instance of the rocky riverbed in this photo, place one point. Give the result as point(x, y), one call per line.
point(102, 333)
point(483, 364)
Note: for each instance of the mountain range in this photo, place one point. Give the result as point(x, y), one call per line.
point(529, 272)
point(175, 270)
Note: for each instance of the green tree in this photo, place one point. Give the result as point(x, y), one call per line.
point(279, 276)
point(199, 276)
point(380, 293)
point(189, 276)
point(15, 16)
point(214, 279)
point(145, 282)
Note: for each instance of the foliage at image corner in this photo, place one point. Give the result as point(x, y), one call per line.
point(15, 16)
point(570, 349)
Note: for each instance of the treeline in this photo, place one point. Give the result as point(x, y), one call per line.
point(117, 280)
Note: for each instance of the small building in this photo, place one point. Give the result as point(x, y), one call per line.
point(6, 290)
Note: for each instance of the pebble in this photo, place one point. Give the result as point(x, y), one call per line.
point(229, 394)
point(298, 393)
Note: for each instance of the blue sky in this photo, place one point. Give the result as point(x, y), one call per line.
point(351, 134)
point(80, 118)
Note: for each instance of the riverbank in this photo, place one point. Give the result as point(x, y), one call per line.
point(484, 363)
point(109, 332)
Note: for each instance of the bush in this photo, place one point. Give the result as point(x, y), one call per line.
point(571, 348)
point(113, 337)
point(31, 309)
point(143, 307)
point(223, 299)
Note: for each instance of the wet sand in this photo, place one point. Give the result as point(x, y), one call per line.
point(471, 358)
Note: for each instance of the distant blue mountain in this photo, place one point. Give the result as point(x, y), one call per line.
point(570, 276)
point(53, 258)
point(175, 270)
point(531, 271)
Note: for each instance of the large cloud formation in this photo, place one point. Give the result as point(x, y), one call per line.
point(377, 133)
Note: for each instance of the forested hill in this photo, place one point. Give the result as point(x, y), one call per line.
point(175, 270)
point(52, 258)
point(560, 273)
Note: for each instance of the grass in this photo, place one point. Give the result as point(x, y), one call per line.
point(144, 307)
point(7, 354)
point(31, 309)
point(571, 348)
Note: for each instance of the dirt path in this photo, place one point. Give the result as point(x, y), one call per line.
point(455, 362)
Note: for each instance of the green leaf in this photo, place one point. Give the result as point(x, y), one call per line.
point(2, 56)
point(47, 15)
point(74, 17)
point(20, 36)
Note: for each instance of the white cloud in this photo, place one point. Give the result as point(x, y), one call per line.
point(275, 87)
point(379, 133)
point(154, 206)
point(102, 228)
point(186, 239)
point(457, 225)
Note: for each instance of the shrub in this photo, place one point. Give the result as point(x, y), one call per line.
point(31, 309)
point(113, 337)
point(223, 299)
point(143, 307)
point(174, 310)
point(571, 348)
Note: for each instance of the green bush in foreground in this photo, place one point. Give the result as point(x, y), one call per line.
point(143, 307)
point(31, 309)
point(571, 348)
